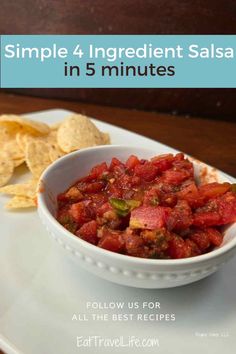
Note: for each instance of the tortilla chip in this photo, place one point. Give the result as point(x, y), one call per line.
point(6, 168)
point(19, 202)
point(26, 141)
point(106, 138)
point(55, 152)
point(17, 123)
point(25, 189)
point(19, 138)
point(13, 150)
point(5, 136)
point(21, 141)
point(51, 138)
point(55, 126)
point(77, 132)
point(18, 162)
point(37, 157)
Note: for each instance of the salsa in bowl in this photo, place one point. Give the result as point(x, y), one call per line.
point(149, 208)
point(139, 218)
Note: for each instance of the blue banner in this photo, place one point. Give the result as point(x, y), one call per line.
point(118, 61)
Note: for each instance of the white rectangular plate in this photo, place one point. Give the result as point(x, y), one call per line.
point(41, 290)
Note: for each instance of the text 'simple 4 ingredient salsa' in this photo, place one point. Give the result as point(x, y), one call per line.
point(149, 209)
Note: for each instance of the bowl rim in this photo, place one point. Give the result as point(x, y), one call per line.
point(118, 256)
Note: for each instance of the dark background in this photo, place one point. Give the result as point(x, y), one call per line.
point(130, 17)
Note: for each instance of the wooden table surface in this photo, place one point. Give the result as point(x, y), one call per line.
point(211, 141)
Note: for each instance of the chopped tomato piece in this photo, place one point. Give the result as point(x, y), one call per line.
point(175, 176)
point(204, 238)
point(213, 190)
point(192, 246)
point(151, 197)
point(148, 217)
point(104, 208)
point(163, 162)
point(119, 170)
point(135, 181)
point(215, 236)
point(111, 241)
point(180, 217)
point(132, 162)
point(113, 190)
point(201, 238)
point(180, 157)
point(88, 232)
point(134, 244)
point(125, 181)
point(207, 218)
point(147, 171)
point(190, 193)
point(80, 212)
point(227, 208)
point(66, 220)
point(178, 248)
point(183, 165)
point(219, 211)
point(115, 162)
point(98, 199)
point(98, 171)
point(189, 189)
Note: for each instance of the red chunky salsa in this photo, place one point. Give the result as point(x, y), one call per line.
point(148, 208)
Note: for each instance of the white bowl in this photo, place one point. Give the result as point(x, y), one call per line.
point(118, 268)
